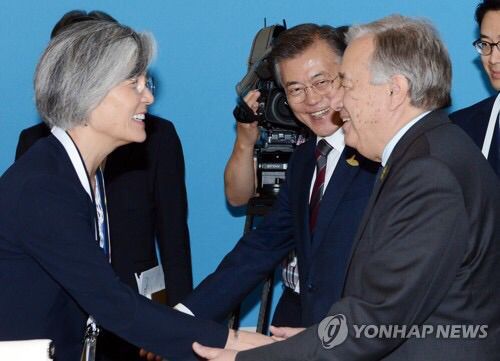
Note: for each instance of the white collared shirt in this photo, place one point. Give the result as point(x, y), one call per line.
point(74, 156)
point(79, 167)
point(395, 139)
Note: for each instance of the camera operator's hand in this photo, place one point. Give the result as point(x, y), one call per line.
point(252, 100)
point(247, 134)
point(239, 175)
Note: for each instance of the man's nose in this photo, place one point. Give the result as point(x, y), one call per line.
point(312, 95)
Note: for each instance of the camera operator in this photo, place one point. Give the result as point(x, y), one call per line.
point(240, 182)
point(240, 173)
point(321, 202)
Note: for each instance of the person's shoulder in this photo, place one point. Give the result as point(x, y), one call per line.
point(304, 149)
point(473, 112)
point(43, 159)
point(308, 142)
point(159, 129)
point(356, 159)
point(39, 130)
point(44, 154)
point(154, 122)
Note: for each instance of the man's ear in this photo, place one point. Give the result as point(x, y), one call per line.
point(399, 91)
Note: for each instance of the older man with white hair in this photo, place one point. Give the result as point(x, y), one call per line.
point(423, 274)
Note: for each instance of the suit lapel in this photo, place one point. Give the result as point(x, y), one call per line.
point(494, 155)
point(335, 190)
point(431, 120)
point(304, 169)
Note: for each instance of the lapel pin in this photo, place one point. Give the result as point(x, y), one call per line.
point(353, 162)
point(384, 172)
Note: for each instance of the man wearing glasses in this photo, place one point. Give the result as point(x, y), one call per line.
point(320, 205)
point(481, 120)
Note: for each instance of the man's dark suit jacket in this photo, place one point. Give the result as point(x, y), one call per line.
point(426, 253)
point(322, 257)
point(146, 198)
point(474, 121)
point(53, 273)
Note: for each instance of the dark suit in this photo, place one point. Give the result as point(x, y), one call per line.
point(474, 121)
point(146, 197)
point(53, 272)
point(426, 253)
point(322, 256)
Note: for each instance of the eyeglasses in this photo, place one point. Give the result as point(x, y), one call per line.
point(151, 84)
point(297, 94)
point(485, 47)
point(148, 83)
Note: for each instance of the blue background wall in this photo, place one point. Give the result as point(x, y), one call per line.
point(203, 49)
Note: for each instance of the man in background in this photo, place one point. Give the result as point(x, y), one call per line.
point(425, 256)
point(319, 206)
point(481, 120)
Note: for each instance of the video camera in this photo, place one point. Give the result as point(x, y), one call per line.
point(280, 129)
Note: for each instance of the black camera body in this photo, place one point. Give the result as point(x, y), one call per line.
point(280, 129)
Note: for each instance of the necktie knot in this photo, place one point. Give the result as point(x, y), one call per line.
point(323, 148)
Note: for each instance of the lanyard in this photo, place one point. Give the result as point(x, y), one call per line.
point(102, 207)
point(81, 171)
point(92, 329)
point(488, 138)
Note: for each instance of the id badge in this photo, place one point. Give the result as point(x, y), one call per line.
point(90, 343)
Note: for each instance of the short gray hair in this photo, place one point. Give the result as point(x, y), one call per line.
point(82, 64)
point(412, 48)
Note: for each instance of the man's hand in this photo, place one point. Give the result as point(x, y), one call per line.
point(243, 340)
point(282, 333)
point(240, 175)
point(236, 341)
point(248, 133)
point(215, 354)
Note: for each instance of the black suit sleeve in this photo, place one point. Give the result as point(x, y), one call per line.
point(61, 239)
point(255, 255)
point(406, 262)
point(171, 215)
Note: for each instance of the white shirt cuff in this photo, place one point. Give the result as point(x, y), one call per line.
point(180, 307)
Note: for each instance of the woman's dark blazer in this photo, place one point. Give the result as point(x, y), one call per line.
point(53, 273)
point(147, 201)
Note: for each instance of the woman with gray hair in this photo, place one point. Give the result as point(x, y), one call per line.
point(91, 89)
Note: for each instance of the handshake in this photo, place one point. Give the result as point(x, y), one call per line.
point(243, 340)
point(236, 341)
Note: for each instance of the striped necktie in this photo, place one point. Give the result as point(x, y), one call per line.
point(321, 154)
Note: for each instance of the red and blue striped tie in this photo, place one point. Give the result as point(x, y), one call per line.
point(321, 154)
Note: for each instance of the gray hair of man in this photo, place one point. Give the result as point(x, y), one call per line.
point(82, 64)
point(296, 40)
point(412, 48)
